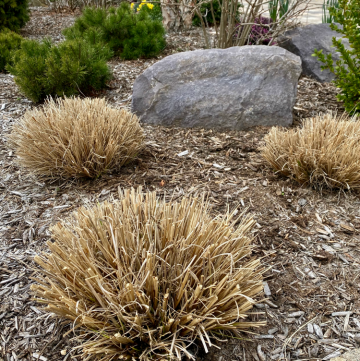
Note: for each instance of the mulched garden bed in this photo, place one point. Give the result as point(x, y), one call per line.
point(309, 240)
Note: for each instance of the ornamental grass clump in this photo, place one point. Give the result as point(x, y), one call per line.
point(74, 138)
point(324, 152)
point(144, 278)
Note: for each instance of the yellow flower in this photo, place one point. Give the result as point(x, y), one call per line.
point(143, 2)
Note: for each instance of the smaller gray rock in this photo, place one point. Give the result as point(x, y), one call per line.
point(310, 328)
point(302, 41)
point(296, 314)
point(267, 289)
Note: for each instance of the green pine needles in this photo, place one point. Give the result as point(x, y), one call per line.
point(9, 41)
point(72, 67)
point(13, 14)
point(347, 69)
point(78, 65)
point(130, 34)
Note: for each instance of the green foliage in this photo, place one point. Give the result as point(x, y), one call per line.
point(9, 41)
point(347, 68)
point(130, 35)
point(13, 14)
point(278, 8)
point(72, 67)
point(154, 11)
point(205, 10)
point(326, 17)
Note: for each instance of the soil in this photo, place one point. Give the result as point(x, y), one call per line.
point(309, 240)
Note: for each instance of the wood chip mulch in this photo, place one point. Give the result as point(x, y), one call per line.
point(309, 240)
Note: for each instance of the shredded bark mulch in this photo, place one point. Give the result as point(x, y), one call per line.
point(308, 239)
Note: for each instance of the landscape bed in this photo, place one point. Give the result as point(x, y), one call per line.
point(308, 239)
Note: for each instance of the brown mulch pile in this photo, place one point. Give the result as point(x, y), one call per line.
point(46, 23)
point(314, 98)
point(310, 239)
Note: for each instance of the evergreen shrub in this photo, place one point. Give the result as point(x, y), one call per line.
point(129, 34)
point(9, 42)
point(14, 14)
point(76, 66)
point(144, 278)
point(346, 17)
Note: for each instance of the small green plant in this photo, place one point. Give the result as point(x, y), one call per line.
point(205, 10)
point(138, 5)
point(347, 68)
point(153, 9)
point(9, 41)
point(326, 17)
point(13, 14)
point(129, 34)
point(209, 15)
point(278, 8)
point(73, 67)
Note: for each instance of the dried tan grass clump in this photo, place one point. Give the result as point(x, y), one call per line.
point(76, 138)
point(324, 152)
point(145, 278)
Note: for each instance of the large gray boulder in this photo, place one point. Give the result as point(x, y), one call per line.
point(235, 88)
point(303, 40)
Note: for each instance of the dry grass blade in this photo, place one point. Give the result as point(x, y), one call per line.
point(324, 152)
point(145, 278)
point(76, 138)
